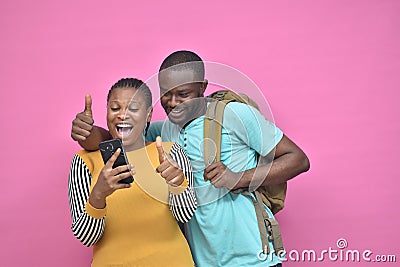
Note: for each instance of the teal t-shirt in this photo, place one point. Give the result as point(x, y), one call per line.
point(224, 229)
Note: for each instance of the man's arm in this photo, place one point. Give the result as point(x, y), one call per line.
point(286, 161)
point(282, 159)
point(83, 130)
point(283, 163)
point(97, 135)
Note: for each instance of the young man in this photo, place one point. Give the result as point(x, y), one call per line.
point(224, 229)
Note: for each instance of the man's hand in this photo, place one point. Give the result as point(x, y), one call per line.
point(108, 180)
point(82, 125)
point(168, 168)
point(221, 176)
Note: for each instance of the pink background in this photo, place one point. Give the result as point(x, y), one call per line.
point(329, 69)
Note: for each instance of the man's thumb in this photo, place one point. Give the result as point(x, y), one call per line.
point(88, 106)
point(161, 154)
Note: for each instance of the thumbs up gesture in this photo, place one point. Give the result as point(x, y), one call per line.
point(82, 125)
point(168, 167)
point(88, 106)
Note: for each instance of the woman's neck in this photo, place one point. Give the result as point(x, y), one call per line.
point(137, 145)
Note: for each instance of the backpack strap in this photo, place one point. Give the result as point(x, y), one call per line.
point(268, 227)
point(213, 130)
point(213, 122)
point(272, 226)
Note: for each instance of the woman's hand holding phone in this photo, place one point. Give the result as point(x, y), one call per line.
point(108, 181)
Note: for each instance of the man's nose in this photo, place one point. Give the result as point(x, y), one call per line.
point(174, 101)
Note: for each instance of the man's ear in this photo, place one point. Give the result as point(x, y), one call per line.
point(149, 114)
point(203, 86)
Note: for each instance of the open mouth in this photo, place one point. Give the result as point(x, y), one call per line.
point(124, 129)
point(176, 110)
point(175, 114)
point(179, 109)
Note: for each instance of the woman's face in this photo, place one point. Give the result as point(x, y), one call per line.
point(127, 116)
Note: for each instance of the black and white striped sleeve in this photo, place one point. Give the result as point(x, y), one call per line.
point(183, 205)
point(86, 228)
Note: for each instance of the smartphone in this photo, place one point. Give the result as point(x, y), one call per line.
point(108, 148)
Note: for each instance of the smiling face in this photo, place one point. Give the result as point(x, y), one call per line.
point(127, 116)
point(182, 96)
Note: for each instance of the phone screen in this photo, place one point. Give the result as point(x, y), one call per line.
point(108, 148)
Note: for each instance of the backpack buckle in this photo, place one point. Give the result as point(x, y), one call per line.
point(268, 227)
point(219, 95)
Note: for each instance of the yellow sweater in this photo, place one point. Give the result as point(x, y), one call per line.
point(139, 228)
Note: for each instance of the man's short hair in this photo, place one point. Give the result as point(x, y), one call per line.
point(185, 60)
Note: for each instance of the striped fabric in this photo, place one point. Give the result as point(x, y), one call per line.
point(89, 230)
point(183, 205)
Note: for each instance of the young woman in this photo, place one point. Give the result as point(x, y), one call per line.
point(132, 224)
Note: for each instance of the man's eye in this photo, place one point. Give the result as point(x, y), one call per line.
point(133, 109)
point(183, 95)
point(166, 93)
point(114, 109)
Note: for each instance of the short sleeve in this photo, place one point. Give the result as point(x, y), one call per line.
point(250, 126)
